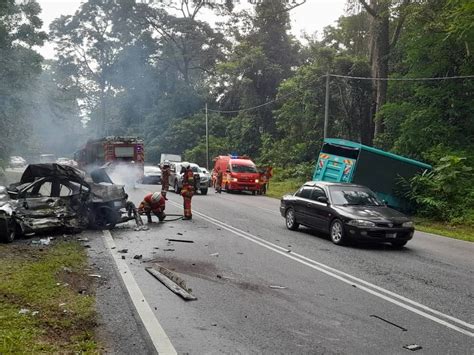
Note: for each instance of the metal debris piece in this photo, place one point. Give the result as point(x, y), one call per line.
point(180, 240)
point(24, 311)
point(219, 276)
point(240, 253)
point(278, 287)
point(123, 257)
point(387, 321)
point(138, 257)
point(34, 313)
point(179, 233)
point(172, 281)
point(123, 251)
point(214, 324)
point(412, 347)
point(168, 249)
point(95, 275)
point(214, 254)
point(82, 239)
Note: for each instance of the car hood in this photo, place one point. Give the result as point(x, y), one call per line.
point(371, 212)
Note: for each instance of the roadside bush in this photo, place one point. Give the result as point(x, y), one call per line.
point(446, 193)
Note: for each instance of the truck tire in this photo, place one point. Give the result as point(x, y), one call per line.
point(203, 191)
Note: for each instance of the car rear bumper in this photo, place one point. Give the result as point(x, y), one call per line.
point(379, 234)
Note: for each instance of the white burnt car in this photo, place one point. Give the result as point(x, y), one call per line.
point(51, 196)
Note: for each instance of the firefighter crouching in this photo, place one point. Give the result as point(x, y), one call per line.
point(153, 203)
point(187, 191)
point(165, 178)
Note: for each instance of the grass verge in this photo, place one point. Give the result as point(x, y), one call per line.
point(49, 285)
point(460, 232)
point(278, 189)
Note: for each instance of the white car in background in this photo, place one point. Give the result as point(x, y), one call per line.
point(17, 162)
point(207, 174)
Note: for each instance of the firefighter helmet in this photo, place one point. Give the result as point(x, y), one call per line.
point(155, 197)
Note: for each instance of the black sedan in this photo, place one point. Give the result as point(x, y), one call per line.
point(347, 212)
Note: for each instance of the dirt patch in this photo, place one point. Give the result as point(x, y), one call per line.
point(79, 282)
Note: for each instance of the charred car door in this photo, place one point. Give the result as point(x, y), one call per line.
point(50, 203)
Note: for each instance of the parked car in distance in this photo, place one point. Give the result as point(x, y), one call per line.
point(152, 175)
point(47, 159)
point(17, 162)
point(206, 174)
point(66, 161)
point(348, 212)
point(201, 182)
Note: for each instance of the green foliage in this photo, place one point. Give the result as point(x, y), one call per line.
point(447, 192)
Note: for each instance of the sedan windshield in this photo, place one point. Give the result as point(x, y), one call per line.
point(243, 168)
point(341, 195)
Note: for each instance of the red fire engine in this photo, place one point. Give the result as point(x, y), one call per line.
point(113, 150)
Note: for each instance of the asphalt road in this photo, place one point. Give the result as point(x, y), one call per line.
point(367, 299)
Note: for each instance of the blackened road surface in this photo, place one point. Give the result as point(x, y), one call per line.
point(333, 299)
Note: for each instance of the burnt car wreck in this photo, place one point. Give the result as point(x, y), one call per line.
point(52, 197)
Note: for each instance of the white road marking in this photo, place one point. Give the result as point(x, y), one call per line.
point(347, 278)
point(157, 334)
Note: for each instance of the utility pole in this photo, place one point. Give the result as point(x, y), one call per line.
point(326, 107)
point(207, 141)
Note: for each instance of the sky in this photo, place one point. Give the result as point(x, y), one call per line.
point(310, 17)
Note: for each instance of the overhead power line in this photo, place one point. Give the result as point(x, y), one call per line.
point(404, 79)
point(459, 77)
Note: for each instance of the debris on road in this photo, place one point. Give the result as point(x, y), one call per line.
point(138, 257)
point(172, 281)
point(168, 249)
point(214, 254)
point(412, 347)
point(82, 239)
point(123, 257)
point(123, 251)
point(24, 311)
point(179, 233)
point(278, 287)
point(180, 240)
point(95, 275)
point(391, 323)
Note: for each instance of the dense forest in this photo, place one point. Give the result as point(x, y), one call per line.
point(400, 78)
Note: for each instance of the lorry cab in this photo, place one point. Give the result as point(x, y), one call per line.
point(351, 162)
point(239, 173)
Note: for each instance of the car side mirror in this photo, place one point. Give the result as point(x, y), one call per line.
point(322, 199)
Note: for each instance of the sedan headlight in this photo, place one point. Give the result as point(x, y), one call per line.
point(361, 223)
point(256, 181)
point(408, 224)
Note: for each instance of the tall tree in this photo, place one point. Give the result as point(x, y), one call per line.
point(19, 65)
point(380, 46)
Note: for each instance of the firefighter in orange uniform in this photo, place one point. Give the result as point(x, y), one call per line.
point(165, 178)
point(187, 191)
point(153, 203)
point(218, 185)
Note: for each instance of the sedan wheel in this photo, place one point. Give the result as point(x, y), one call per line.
point(337, 232)
point(291, 220)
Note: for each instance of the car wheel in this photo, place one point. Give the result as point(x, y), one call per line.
point(291, 219)
point(8, 232)
point(203, 191)
point(337, 232)
point(104, 218)
point(399, 243)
